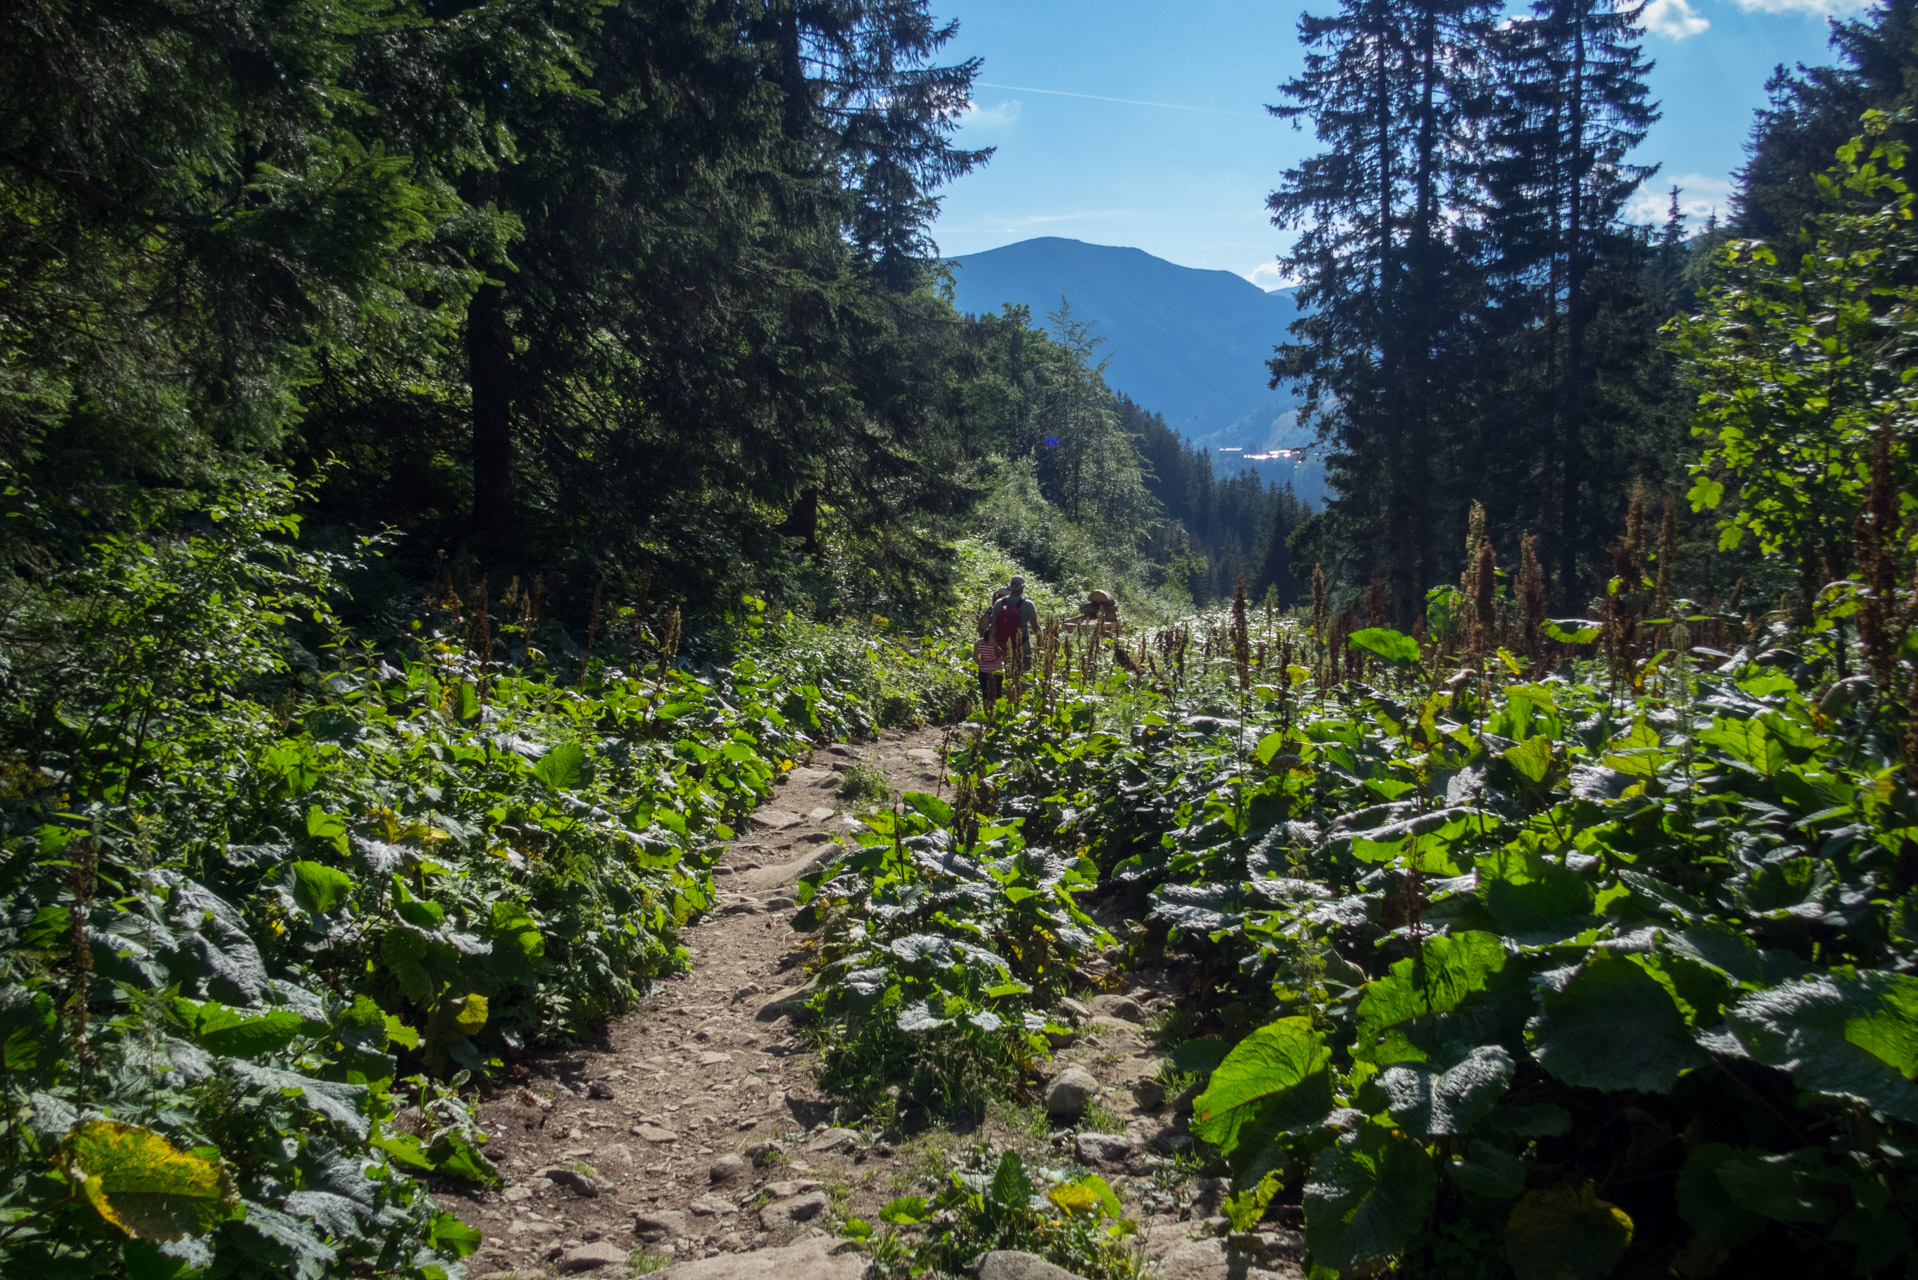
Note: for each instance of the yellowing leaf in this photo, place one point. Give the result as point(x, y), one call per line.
point(1074, 1198)
point(472, 1015)
point(142, 1183)
point(1566, 1233)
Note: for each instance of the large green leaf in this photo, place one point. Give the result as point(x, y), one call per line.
point(1393, 1017)
point(1532, 758)
point(320, 888)
point(1709, 1208)
point(1011, 1185)
point(1432, 1103)
point(561, 767)
point(1394, 646)
point(141, 1183)
point(1566, 1233)
point(1487, 1170)
point(237, 1033)
point(1274, 1080)
point(1612, 1026)
point(1368, 1195)
point(1531, 895)
point(452, 1235)
point(1853, 1037)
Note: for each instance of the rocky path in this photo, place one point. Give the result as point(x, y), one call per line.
point(692, 1134)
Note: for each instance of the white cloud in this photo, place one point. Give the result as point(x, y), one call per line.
point(1268, 276)
point(1822, 8)
point(1699, 196)
point(998, 115)
point(1674, 19)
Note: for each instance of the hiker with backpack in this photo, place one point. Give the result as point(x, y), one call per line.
point(1005, 634)
point(1012, 621)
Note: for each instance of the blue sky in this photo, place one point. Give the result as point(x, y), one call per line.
point(1182, 168)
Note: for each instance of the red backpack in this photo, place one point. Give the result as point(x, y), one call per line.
point(1005, 621)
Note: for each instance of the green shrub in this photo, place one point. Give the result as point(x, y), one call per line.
point(993, 1204)
point(864, 784)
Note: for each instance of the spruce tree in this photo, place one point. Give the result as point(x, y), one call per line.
point(1571, 105)
point(1813, 111)
point(1386, 279)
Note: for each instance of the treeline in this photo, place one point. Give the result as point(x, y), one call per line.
point(1237, 522)
point(1481, 320)
point(634, 296)
point(635, 301)
point(1093, 489)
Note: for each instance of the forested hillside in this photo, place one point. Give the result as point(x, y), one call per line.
point(470, 469)
point(1189, 343)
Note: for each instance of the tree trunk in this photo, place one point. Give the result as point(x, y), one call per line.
point(1572, 437)
point(489, 350)
point(802, 522)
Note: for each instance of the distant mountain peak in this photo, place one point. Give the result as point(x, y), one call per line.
point(1187, 343)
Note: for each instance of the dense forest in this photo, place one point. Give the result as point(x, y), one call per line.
point(463, 460)
point(636, 299)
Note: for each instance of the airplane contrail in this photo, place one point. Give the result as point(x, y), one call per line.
point(1099, 97)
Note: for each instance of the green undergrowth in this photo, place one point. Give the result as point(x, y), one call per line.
point(943, 940)
point(273, 899)
point(994, 1202)
point(1598, 959)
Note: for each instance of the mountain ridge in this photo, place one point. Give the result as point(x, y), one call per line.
point(1185, 342)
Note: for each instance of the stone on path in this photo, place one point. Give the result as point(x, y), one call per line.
point(1149, 1094)
point(1103, 1148)
point(653, 1133)
point(654, 1225)
point(787, 1188)
point(775, 819)
point(1010, 1264)
point(1117, 1006)
point(1069, 1092)
point(1210, 1259)
point(809, 777)
point(821, 814)
point(729, 1170)
point(781, 1215)
point(592, 1257)
point(924, 755)
point(1106, 1025)
point(832, 1140)
point(714, 1059)
point(778, 874)
point(580, 1184)
point(784, 1004)
point(711, 1206)
point(820, 1258)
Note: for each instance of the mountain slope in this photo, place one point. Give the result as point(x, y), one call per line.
point(1188, 344)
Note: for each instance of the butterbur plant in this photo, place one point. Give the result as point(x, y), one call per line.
point(999, 1204)
point(943, 942)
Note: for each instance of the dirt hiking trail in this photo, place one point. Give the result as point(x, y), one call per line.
point(692, 1133)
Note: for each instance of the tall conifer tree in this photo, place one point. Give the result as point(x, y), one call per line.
point(1388, 87)
point(1572, 104)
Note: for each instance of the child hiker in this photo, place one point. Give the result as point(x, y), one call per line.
point(991, 657)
